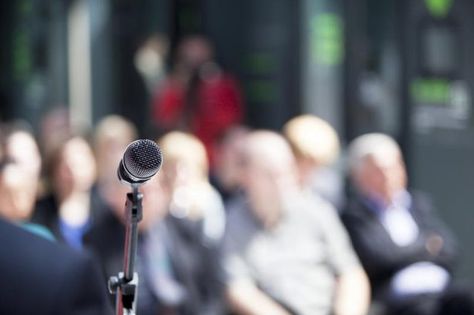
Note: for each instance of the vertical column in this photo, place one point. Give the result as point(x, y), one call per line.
point(322, 57)
point(79, 65)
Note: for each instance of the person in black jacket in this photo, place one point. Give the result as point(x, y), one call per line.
point(408, 254)
point(44, 278)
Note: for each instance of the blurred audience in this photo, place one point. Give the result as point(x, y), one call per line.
point(226, 175)
point(66, 210)
point(178, 238)
point(286, 252)
point(316, 148)
point(198, 96)
point(20, 165)
point(408, 253)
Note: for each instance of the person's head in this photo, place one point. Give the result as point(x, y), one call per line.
point(111, 137)
point(21, 147)
point(314, 143)
point(376, 166)
point(228, 160)
point(72, 167)
point(268, 173)
point(194, 51)
point(20, 164)
point(55, 128)
point(185, 159)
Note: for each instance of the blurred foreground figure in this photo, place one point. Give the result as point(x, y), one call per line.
point(316, 147)
point(407, 253)
point(286, 252)
point(44, 278)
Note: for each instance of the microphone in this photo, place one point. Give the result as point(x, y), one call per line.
point(141, 161)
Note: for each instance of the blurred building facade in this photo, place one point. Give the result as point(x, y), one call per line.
point(400, 67)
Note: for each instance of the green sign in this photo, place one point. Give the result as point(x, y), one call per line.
point(430, 91)
point(327, 39)
point(439, 8)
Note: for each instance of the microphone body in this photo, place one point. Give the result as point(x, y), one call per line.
point(141, 161)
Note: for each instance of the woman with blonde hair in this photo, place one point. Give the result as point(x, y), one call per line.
point(316, 147)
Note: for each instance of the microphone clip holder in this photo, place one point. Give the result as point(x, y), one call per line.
point(125, 284)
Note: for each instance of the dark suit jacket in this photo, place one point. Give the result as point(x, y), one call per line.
point(380, 256)
point(42, 277)
point(193, 262)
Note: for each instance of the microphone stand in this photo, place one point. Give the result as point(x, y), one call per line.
point(125, 284)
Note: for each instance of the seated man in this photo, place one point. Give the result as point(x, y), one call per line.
point(407, 253)
point(286, 252)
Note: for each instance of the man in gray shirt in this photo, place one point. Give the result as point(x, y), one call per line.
point(286, 252)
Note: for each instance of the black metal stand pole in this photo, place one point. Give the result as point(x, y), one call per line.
point(125, 284)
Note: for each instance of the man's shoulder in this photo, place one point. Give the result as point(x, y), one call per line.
point(45, 274)
point(23, 245)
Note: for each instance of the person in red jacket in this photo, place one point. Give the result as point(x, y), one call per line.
point(197, 96)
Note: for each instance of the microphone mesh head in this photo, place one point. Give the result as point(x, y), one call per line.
point(142, 159)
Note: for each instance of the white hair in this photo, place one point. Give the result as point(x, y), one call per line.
point(377, 145)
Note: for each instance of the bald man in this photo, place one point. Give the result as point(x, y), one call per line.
point(286, 252)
